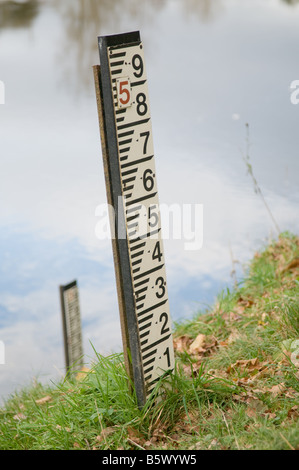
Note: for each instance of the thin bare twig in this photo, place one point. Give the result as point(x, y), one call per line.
point(257, 188)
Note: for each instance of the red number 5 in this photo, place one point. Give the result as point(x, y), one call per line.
point(123, 92)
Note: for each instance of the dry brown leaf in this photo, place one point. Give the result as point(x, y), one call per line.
point(105, 432)
point(213, 443)
point(82, 373)
point(293, 412)
point(181, 344)
point(290, 266)
point(233, 337)
point(243, 364)
point(43, 400)
point(270, 415)
point(197, 345)
point(255, 407)
point(277, 389)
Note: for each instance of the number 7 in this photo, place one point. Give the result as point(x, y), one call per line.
point(145, 134)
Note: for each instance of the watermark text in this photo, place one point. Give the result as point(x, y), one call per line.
point(180, 222)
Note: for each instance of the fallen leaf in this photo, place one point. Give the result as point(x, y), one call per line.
point(290, 266)
point(233, 337)
point(213, 443)
point(270, 415)
point(255, 407)
point(43, 400)
point(82, 373)
point(243, 364)
point(196, 446)
point(293, 412)
point(105, 432)
point(181, 344)
point(277, 389)
point(197, 345)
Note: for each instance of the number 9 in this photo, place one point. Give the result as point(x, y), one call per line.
point(137, 64)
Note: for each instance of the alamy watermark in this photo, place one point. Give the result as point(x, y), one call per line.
point(295, 94)
point(180, 222)
point(2, 353)
point(2, 92)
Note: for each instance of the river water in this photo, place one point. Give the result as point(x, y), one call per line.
point(213, 67)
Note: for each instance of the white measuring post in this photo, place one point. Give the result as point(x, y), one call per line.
point(71, 322)
point(129, 166)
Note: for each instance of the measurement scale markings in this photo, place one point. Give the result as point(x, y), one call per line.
point(129, 172)
point(144, 289)
point(140, 82)
point(116, 72)
point(147, 235)
point(124, 142)
point(136, 162)
point(151, 308)
point(149, 362)
point(159, 341)
point(117, 54)
point(136, 247)
point(144, 327)
point(134, 224)
point(127, 180)
point(133, 209)
point(124, 134)
point(133, 217)
point(134, 123)
point(146, 273)
point(140, 199)
point(142, 320)
point(140, 253)
point(116, 63)
point(126, 149)
point(127, 188)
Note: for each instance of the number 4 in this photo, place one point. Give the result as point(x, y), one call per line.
point(157, 252)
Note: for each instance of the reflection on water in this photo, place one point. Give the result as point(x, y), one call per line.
point(84, 20)
point(18, 15)
point(50, 173)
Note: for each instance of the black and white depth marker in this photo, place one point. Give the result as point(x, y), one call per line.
point(130, 175)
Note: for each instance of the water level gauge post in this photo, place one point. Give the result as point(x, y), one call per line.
point(131, 186)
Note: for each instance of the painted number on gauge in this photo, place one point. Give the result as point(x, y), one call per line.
point(123, 87)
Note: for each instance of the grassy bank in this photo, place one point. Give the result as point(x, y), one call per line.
point(235, 385)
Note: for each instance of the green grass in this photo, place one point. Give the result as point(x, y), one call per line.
point(239, 391)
